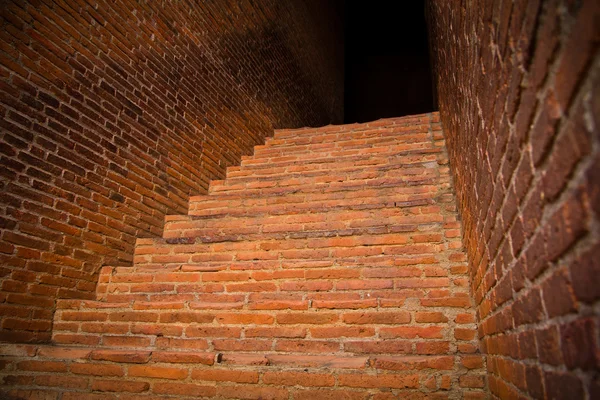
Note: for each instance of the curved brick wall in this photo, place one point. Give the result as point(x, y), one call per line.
point(114, 112)
point(518, 85)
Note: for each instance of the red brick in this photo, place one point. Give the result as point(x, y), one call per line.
point(430, 317)
point(433, 332)
point(183, 357)
point(225, 376)
point(186, 317)
point(244, 359)
point(126, 341)
point(298, 379)
point(471, 381)
point(584, 271)
point(328, 395)
point(528, 308)
point(306, 346)
point(208, 331)
point(459, 302)
point(579, 344)
point(464, 319)
point(464, 334)
point(306, 318)
point(238, 319)
point(42, 366)
point(252, 392)
point(402, 317)
point(342, 331)
point(411, 363)
point(145, 371)
point(63, 353)
point(97, 369)
point(379, 346)
point(350, 304)
point(184, 389)
point(177, 343)
point(133, 317)
point(562, 385)
point(472, 362)
point(71, 382)
point(242, 344)
point(120, 356)
point(433, 347)
point(275, 332)
point(119, 386)
point(378, 381)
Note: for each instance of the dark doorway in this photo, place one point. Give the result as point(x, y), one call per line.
point(387, 70)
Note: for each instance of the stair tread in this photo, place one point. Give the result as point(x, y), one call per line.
point(319, 174)
point(308, 195)
point(356, 140)
point(398, 121)
point(351, 185)
point(332, 157)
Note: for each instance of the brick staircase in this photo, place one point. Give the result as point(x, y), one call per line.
point(328, 265)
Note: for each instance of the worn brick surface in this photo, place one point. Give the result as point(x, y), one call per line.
point(518, 94)
point(112, 113)
point(328, 264)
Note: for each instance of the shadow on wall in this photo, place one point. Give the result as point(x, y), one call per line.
point(112, 116)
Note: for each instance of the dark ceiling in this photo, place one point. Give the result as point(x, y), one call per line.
point(387, 70)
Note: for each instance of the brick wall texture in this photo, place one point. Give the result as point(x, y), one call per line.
point(518, 84)
point(112, 113)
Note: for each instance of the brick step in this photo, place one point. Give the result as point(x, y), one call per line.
point(382, 287)
point(296, 203)
point(329, 157)
point(357, 162)
point(300, 185)
point(252, 251)
point(390, 331)
point(392, 235)
point(350, 141)
point(332, 286)
point(333, 164)
point(138, 373)
point(422, 119)
point(320, 173)
point(324, 255)
point(364, 174)
point(277, 289)
point(334, 221)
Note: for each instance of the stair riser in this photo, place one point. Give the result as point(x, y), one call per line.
point(301, 186)
point(317, 221)
point(315, 169)
point(140, 373)
point(358, 176)
point(236, 201)
point(425, 119)
point(341, 155)
point(339, 165)
point(366, 203)
point(275, 147)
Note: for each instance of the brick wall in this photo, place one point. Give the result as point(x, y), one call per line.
point(114, 112)
point(518, 85)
